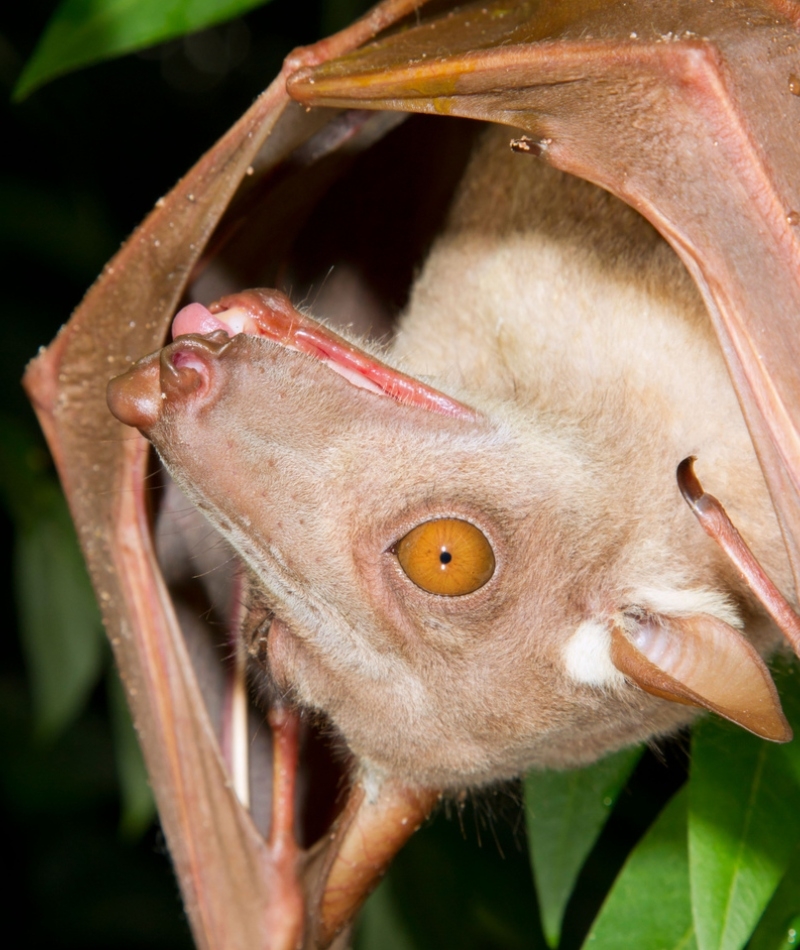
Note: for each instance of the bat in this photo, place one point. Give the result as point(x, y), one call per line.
point(657, 107)
point(570, 560)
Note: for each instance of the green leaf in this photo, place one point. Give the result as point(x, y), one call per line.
point(779, 928)
point(786, 674)
point(138, 804)
point(566, 812)
point(60, 626)
point(380, 926)
point(81, 32)
point(743, 827)
point(649, 906)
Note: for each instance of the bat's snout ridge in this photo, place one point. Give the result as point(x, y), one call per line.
point(135, 396)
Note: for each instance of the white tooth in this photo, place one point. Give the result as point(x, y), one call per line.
point(238, 320)
point(353, 377)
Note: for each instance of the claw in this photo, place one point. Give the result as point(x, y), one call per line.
point(715, 522)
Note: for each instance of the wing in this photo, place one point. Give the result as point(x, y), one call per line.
point(686, 111)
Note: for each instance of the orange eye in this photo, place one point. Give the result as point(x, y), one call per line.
point(446, 556)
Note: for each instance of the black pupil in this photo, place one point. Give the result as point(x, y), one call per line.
point(445, 557)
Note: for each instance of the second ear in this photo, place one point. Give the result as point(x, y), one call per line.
point(700, 661)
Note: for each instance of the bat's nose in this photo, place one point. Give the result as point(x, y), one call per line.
point(188, 365)
point(184, 370)
point(135, 397)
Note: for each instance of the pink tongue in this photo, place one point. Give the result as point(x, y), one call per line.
point(195, 319)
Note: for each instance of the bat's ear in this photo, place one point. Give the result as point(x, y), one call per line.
point(700, 661)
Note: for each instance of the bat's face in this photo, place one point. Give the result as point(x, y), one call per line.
point(425, 561)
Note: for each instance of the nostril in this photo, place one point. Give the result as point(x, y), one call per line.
point(188, 365)
point(183, 374)
point(187, 359)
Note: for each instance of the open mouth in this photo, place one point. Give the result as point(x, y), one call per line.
point(269, 314)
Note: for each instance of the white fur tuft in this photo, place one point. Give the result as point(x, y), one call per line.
point(688, 602)
point(587, 656)
point(372, 779)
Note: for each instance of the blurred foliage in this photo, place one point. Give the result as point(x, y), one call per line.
point(60, 627)
point(87, 157)
point(138, 805)
point(81, 32)
point(463, 881)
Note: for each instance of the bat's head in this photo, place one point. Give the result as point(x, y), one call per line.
point(446, 577)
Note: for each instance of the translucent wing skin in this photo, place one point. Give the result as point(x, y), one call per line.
point(687, 111)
